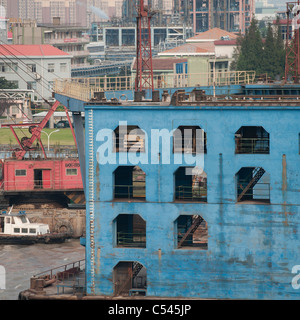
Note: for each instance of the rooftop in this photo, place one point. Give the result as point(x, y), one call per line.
point(202, 48)
point(225, 42)
point(212, 35)
point(36, 50)
point(163, 64)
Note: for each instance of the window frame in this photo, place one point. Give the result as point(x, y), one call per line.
point(20, 175)
point(50, 66)
point(71, 174)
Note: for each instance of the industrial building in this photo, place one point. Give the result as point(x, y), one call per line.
point(232, 15)
point(191, 191)
point(164, 228)
point(69, 38)
point(202, 15)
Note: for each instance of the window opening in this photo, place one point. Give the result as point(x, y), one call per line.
point(131, 231)
point(189, 139)
point(192, 231)
point(130, 183)
point(251, 140)
point(253, 184)
point(190, 184)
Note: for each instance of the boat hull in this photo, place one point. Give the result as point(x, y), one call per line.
point(27, 240)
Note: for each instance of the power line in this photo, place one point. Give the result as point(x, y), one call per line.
point(25, 71)
point(27, 57)
point(20, 76)
point(25, 65)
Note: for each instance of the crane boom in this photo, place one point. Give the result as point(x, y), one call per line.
point(35, 130)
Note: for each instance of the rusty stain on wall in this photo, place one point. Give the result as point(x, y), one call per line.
point(284, 187)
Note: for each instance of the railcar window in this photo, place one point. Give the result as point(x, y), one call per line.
point(20, 172)
point(71, 172)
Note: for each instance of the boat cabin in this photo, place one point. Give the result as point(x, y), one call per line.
point(19, 224)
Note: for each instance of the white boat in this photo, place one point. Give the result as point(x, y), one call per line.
point(17, 229)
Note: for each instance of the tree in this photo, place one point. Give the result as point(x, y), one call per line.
point(280, 49)
point(5, 103)
point(5, 84)
point(270, 59)
point(236, 52)
point(251, 52)
point(262, 28)
point(264, 57)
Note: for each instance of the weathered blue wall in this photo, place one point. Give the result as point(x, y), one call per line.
point(252, 248)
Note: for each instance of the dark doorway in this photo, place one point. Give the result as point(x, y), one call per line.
point(1, 224)
point(38, 178)
point(130, 279)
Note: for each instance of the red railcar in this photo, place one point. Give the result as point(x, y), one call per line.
point(45, 176)
point(46, 179)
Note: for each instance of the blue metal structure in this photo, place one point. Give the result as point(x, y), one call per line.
point(253, 247)
point(100, 70)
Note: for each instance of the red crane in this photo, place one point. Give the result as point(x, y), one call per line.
point(35, 129)
point(144, 68)
point(292, 60)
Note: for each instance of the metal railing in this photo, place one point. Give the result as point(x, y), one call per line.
point(252, 145)
point(182, 144)
point(190, 242)
point(55, 152)
point(84, 88)
point(130, 192)
point(259, 192)
point(133, 239)
point(62, 271)
point(73, 41)
point(188, 193)
point(69, 276)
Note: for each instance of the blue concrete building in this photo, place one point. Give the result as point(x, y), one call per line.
point(157, 225)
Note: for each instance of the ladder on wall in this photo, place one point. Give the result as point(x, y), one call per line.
point(258, 173)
